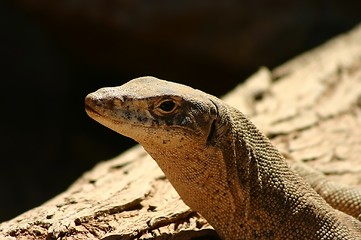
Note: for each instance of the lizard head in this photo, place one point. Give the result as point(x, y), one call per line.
point(181, 128)
point(154, 112)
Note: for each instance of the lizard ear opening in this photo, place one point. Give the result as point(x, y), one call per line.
point(212, 133)
point(211, 138)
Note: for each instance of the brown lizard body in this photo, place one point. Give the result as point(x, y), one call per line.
point(220, 164)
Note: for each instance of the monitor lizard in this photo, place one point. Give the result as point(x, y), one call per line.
point(221, 165)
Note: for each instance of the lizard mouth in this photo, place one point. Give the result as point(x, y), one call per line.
point(90, 107)
point(92, 112)
point(98, 116)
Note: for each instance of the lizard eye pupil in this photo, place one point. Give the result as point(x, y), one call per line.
point(167, 106)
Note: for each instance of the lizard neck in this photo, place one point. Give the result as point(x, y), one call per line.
point(199, 176)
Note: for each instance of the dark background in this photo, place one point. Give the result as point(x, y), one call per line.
point(52, 53)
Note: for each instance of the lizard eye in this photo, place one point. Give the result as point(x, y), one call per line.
point(167, 106)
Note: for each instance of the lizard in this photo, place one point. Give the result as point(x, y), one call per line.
point(220, 164)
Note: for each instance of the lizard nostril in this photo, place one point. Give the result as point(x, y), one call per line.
point(117, 102)
point(90, 99)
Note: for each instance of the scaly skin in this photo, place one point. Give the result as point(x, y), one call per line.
point(220, 164)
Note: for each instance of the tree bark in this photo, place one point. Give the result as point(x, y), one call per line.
point(310, 107)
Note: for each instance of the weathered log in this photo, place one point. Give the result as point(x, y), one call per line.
point(310, 107)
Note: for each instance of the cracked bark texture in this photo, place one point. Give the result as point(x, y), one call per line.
point(310, 107)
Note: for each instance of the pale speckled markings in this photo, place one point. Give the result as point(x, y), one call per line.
point(219, 162)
